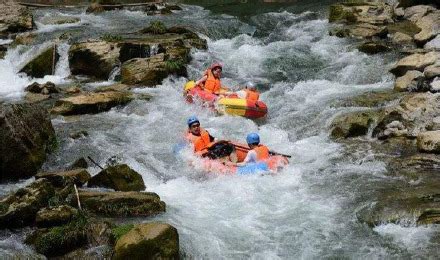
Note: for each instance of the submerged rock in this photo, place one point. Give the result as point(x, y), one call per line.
point(118, 204)
point(91, 103)
point(27, 135)
point(149, 241)
point(118, 177)
point(20, 208)
point(43, 64)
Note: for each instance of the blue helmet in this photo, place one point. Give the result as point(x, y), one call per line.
point(253, 138)
point(192, 120)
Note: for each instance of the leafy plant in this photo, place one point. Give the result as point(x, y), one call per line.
point(119, 231)
point(156, 27)
point(111, 37)
point(174, 65)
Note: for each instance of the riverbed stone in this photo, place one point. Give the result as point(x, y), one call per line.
point(118, 204)
point(26, 38)
point(373, 47)
point(96, 58)
point(20, 208)
point(43, 64)
point(368, 31)
point(414, 62)
point(376, 13)
point(15, 18)
point(429, 141)
point(415, 13)
point(433, 44)
point(55, 216)
point(430, 25)
point(409, 81)
point(45, 89)
point(119, 177)
point(61, 179)
point(154, 240)
point(352, 124)
point(435, 85)
point(401, 39)
point(27, 135)
point(90, 103)
point(432, 71)
point(95, 8)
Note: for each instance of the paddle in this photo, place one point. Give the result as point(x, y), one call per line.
point(270, 152)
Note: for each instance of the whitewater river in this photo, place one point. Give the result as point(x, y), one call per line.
point(307, 210)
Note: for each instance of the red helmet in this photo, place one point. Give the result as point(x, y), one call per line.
point(216, 65)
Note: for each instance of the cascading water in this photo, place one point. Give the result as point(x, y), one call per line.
point(308, 210)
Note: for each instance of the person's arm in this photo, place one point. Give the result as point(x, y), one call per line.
point(250, 157)
point(201, 80)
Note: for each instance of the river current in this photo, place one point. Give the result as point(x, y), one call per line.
point(308, 210)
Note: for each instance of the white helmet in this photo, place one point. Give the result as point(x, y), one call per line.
point(251, 85)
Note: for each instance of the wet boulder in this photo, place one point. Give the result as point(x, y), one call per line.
point(402, 39)
point(27, 135)
point(368, 31)
point(429, 141)
point(373, 47)
point(361, 12)
point(63, 178)
point(43, 64)
point(432, 71)
point(45, 89)
point(15, 18)
point(96, 59)
point(3, 50)
point(60, 20)
point(95, 8)
point(55, 216)
point(418, 61)
point(352, 124)
point(118, 204)
point(20, 208)
point(409, 81)
point(149, 241)
point(415, 13)
point(26, 38)
point(150, 71)
point(90, 103)
point(119, 177)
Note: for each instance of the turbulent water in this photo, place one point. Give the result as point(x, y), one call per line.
point(307, 210)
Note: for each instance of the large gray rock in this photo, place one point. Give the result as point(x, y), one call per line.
point(20, 208)
point(415, 13)
point(55, 216)
point(148, 241)
point(414, 62)
point(26, 133)
point(15, 18)
point(118, 177)
point(90, 103)
point(432, 71)
point(43, 64)
point(434, 44)
point(118, 204)
point(408, 81)
point(361, 12)
point(96, 59)
point(353, 124)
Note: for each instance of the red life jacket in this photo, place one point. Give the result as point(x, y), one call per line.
point(252, 95)
point(202, 142)
point(212, 84)
point(262, 152)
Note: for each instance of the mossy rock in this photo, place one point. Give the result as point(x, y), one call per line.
point(405, 27)
point(353, 124)
point(339, 13)
point(149, 241)
point(155, 27)
point(43, 64)
point(373, 47)
point(372, 99)
point(118, 177)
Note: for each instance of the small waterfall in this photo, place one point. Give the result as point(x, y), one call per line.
point(62, 68)
point(154, 49)
point(115, 74)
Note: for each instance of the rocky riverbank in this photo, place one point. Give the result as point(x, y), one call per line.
point(401, 125)
point(66, 216)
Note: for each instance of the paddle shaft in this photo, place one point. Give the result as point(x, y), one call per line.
point(270, 152)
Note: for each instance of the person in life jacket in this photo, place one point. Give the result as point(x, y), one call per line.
point(198, 136)
point(211, 79)
point(257, 153)
point(249, 92)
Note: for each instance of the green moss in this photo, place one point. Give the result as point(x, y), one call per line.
point(42, 64)
point(174, 65)
point(119, 231)
point(111, 37)
point(60, 240)
point(156, 27)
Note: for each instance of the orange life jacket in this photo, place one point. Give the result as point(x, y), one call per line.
point(202, 142)
point(252, 95)
point(262, 152)
point(212, 84)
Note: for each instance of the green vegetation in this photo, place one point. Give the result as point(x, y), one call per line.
point(156, 27)
point(174, 65)
point(111, 37)
point(119, 231)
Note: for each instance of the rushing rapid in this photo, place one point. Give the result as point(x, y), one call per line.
point(308, 210)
